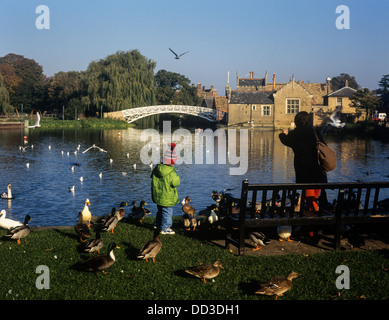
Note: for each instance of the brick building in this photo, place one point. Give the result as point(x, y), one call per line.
point(212, 100)
point(259, 103)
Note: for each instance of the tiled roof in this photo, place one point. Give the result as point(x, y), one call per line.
point(251, 82)
point(251, 97)
point(343, 92)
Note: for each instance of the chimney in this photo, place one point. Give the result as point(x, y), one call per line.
point(251, 75)
point(199, 86)
point(328, 81)
point(274, 82)
point(346, 83)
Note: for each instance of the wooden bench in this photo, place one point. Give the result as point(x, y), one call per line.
point(354, 203)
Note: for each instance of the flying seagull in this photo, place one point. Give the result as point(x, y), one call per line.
point(335, 118)
point(37, 121)
point(334, 121)
point(177, 56)
point(94, 147)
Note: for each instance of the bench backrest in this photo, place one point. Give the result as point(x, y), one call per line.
point(287, 199)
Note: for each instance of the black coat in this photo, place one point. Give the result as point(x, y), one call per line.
point(302, 140)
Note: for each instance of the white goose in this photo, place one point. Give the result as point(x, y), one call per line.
point(8, 223)
point(8, 194)
point(86, 214)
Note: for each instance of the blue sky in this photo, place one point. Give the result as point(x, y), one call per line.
point(277, 36)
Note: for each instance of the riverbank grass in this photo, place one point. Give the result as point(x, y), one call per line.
point(85, 123)
point(133, 279)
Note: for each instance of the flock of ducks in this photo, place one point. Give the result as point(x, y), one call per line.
point(100, 262)
point(149, 250)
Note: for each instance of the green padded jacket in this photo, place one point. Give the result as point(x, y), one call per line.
point(164, 185)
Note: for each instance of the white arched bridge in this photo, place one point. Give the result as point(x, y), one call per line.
point(131, 115)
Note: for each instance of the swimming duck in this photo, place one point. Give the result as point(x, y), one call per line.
point(8, 194)
point(140, 213)
point(86, 214)
point(99, 262)
point(150, 249)
point(277, 286)
point(259, 239)
point(20, 231)
point(82, 229)
point(94, 244)
point(7, 223)
point(205, 271)
point(284, 233)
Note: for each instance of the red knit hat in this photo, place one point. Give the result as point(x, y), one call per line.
point(170, 156)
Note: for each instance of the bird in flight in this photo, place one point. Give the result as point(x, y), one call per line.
point(37, 121)
point(177, 56)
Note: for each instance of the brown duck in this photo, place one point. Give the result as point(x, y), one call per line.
point(82, 228)
point(277, 286)
point(150, 249)
point(205, 271)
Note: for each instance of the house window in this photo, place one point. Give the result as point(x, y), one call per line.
point(338, 102)
point(253, 107)
point(266, 111)
point(292, 106)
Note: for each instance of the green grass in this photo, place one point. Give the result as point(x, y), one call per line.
point(133, 279)
point(85, 123)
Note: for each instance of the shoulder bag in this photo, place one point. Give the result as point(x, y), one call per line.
point(325, 155)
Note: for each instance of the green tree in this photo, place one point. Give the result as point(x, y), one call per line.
point(120, 81)
point(4, 97)
point(28, 92)
point(365, 100)
point(174, 88)
point(339, 82)
point(383, 90)
point(63, 88)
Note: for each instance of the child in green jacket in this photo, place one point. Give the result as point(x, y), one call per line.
point(164, 190)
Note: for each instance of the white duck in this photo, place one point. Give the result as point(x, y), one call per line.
point(8, 223)
point(213, 217)
point(86, 214)
point(284, 232)
point(8, 194)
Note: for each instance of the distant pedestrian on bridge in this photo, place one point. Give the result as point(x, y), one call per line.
point(165, 181)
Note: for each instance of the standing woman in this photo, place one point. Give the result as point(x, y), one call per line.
point(302, 140)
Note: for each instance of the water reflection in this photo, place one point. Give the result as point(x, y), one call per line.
point(42, 189)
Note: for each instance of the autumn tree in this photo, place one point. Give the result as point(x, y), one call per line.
point(25, 81)
point(66, 89)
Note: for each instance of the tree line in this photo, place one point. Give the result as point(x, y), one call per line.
point(120, 81)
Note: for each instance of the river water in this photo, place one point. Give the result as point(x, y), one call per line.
point(42, 189)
